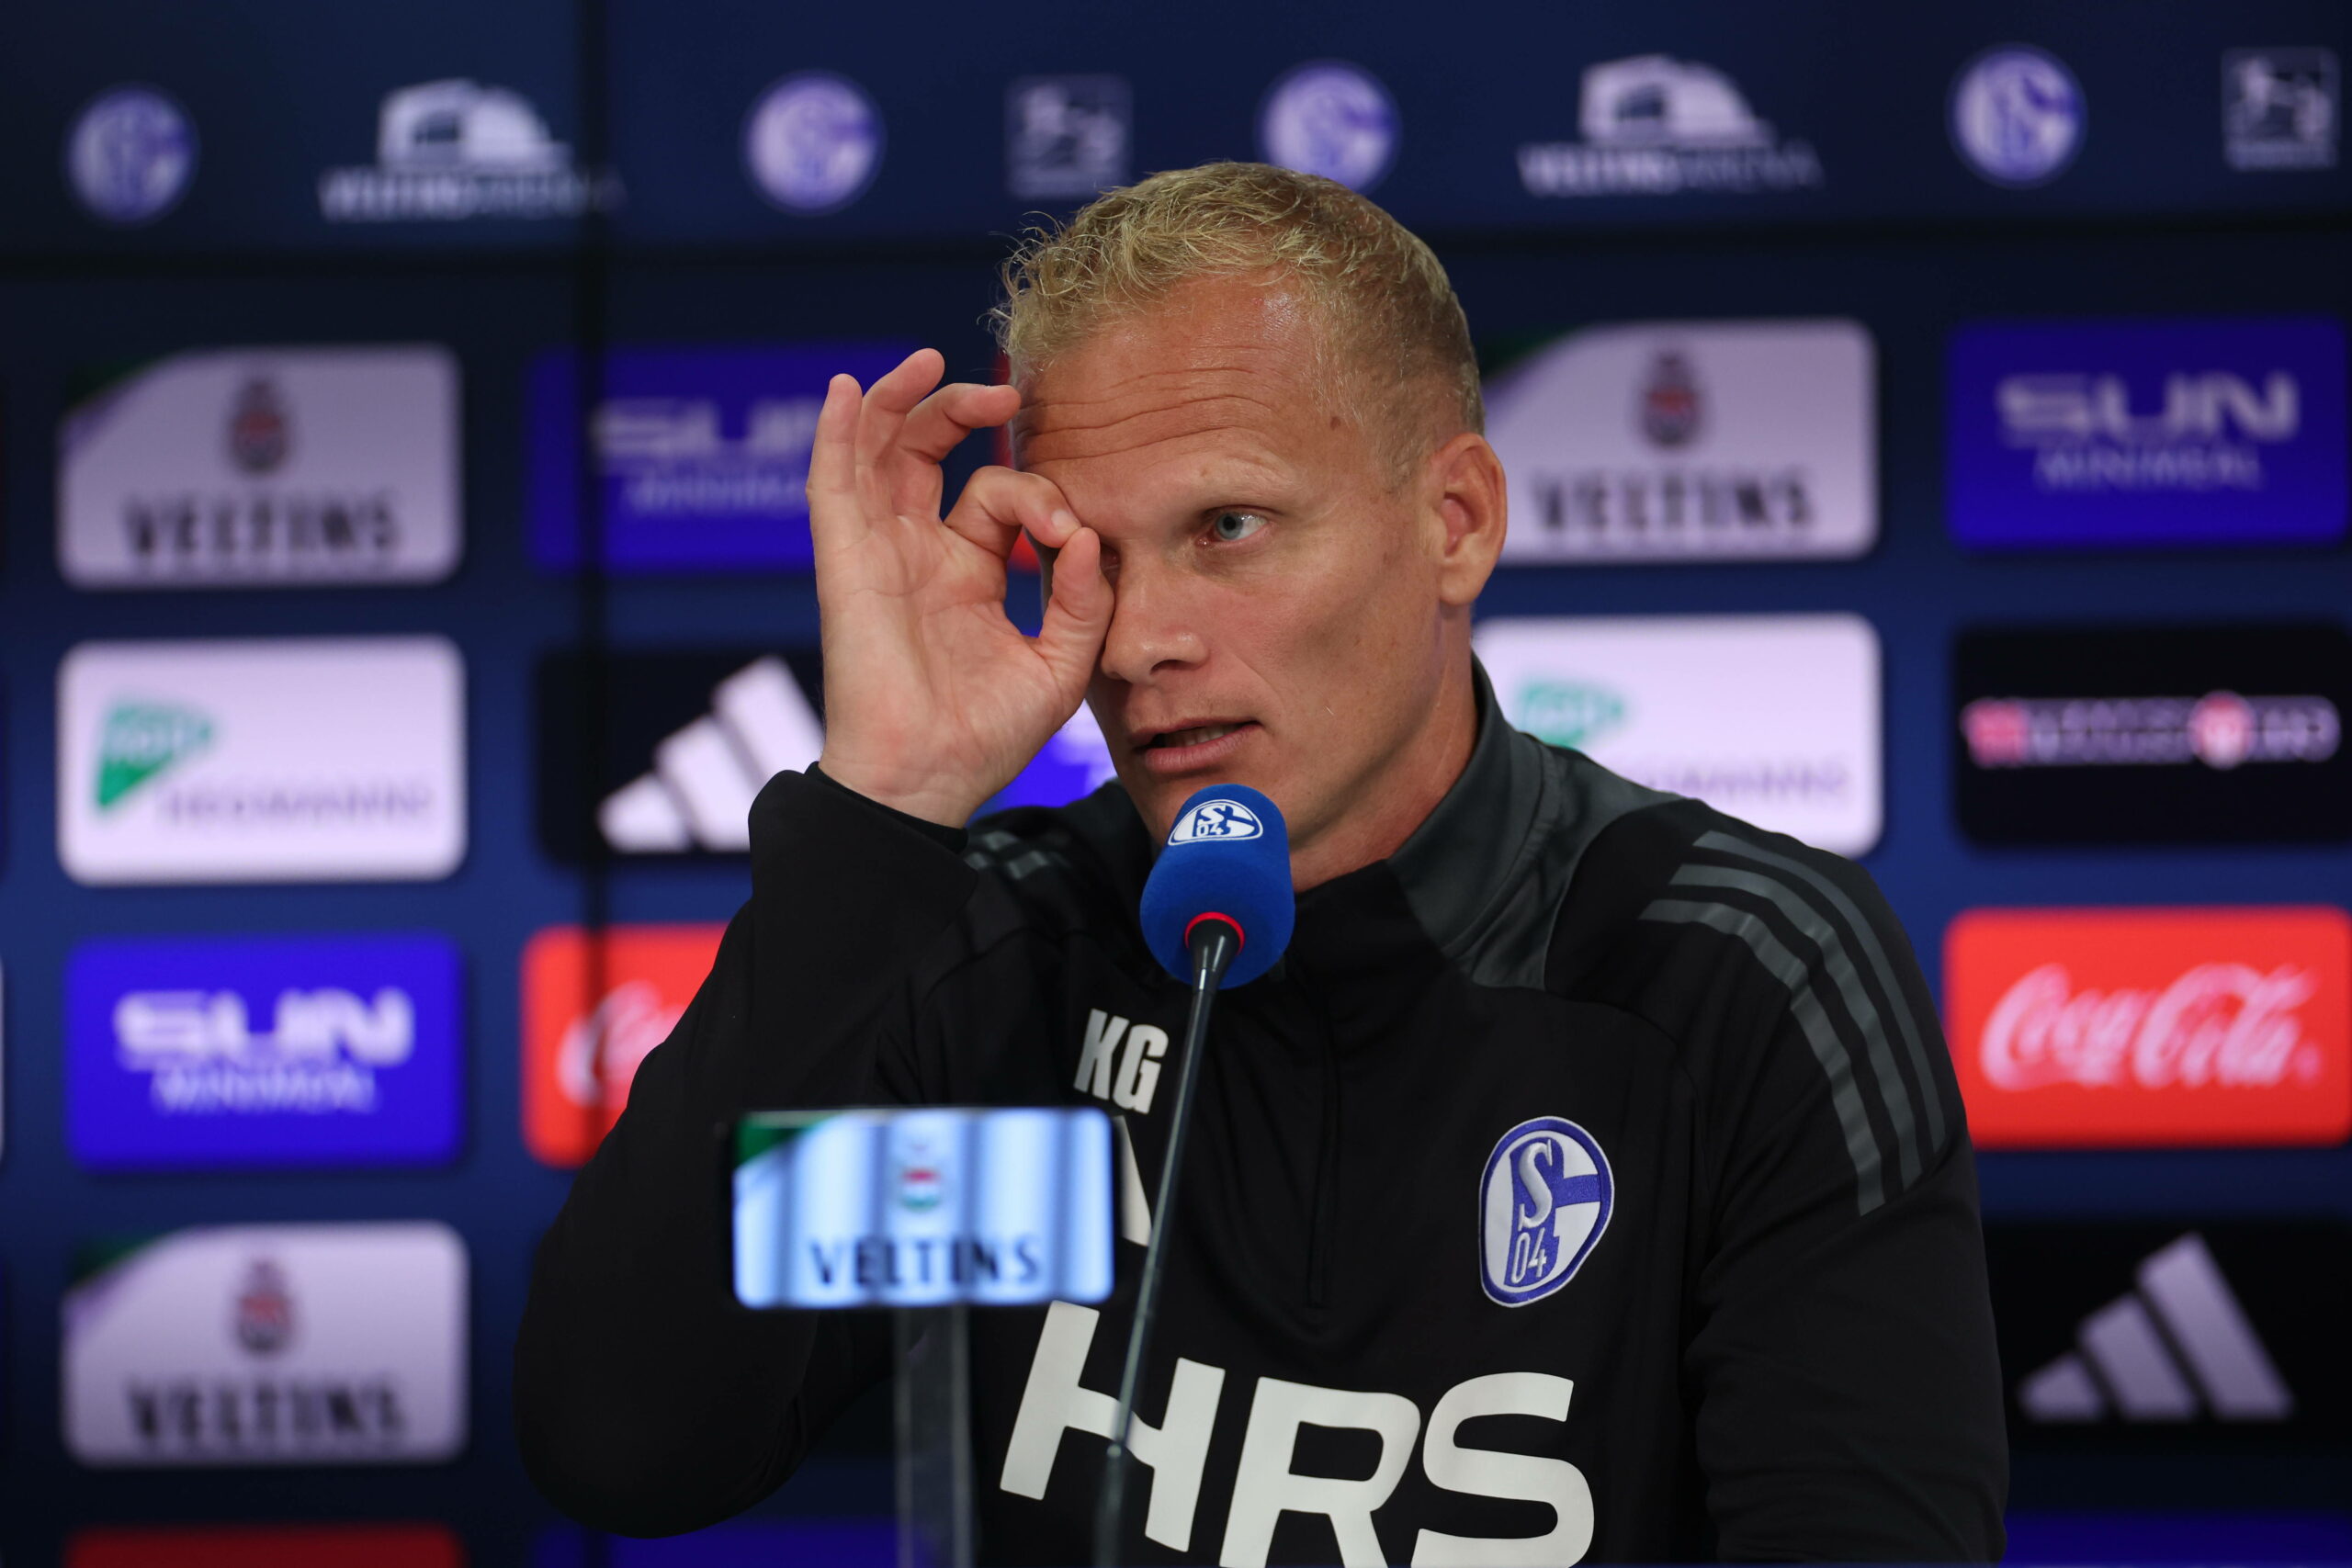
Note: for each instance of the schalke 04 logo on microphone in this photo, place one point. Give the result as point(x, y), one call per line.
point(1216, 819)
point(1543, 1203)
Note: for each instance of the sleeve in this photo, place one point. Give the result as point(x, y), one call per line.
point(1840, 1339)
point(646, 1401)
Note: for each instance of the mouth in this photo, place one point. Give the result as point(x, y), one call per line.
point(1185, 748)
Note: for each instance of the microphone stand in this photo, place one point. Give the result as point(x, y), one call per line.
point(1212, 941)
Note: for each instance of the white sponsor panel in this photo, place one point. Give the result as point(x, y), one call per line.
point(1672, 440)
point(285, 759)
point(455, 150)
point(255, 1345)
point(232, 467)
point(1773, 720)
point(1656, 126)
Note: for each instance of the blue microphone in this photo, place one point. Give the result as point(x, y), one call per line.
point(1217, 911)
point(1227, 859)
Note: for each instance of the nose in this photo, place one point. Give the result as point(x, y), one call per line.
point(1151, 633)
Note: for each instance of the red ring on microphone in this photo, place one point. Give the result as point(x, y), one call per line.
point(1241, 938)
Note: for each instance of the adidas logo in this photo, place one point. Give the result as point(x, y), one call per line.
point(2176, 1345)
point(141, 740)
point(705, 775)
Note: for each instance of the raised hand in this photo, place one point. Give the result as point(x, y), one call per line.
point(934, 699)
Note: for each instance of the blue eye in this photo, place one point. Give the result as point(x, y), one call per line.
point(1231, 527)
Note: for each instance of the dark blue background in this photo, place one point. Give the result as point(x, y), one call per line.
point(1902, 236)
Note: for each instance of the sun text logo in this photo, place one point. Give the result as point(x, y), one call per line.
point(279, 1051)
point(2152, 1027)
point(2146, 433)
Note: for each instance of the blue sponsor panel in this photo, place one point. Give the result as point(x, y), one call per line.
point(840, 1543)
point(192, 1054)
point(701, 455)
point(2309, 1537)
point(2147, 435)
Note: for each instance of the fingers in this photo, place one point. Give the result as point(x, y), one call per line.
point(892, 399)
point(834, 516)
point(997, 503)
point(939, 423)
point(1077, 615)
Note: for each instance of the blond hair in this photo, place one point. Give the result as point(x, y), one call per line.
point(1394, 339)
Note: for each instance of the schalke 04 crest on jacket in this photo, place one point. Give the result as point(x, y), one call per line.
point(1543, 1203)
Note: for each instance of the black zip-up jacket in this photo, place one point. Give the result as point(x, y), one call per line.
point(1588, 1182)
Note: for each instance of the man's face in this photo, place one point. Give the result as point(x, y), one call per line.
point(1278, 615)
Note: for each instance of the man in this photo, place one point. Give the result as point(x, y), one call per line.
point(1588, 1182)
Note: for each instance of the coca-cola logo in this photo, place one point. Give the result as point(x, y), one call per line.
point(600, 1052)
point(2223, 1025)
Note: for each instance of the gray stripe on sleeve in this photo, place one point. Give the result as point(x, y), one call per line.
point(1893, 1097)
point(1861, 1144)
point(1888, 981)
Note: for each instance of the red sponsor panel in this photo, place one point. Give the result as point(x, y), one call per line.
point(2152, 1027)
point(593, 1006)
point(267, 1546)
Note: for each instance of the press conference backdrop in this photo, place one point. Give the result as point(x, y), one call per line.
point(1927, 435)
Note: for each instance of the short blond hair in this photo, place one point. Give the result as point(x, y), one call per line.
point(1394, 336)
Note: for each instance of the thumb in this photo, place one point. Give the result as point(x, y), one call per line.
point(1077, 615)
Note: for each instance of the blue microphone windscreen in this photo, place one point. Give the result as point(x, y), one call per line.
point(1228, 854)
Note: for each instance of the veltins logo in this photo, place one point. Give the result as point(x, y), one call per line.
point(226, 468)
point(1543, 1200)
point(1656, 126)
point(1331, 118)
point(455, 150)
point(2123, 435)
point(1216, 819)
point(2017, 115)
point(922, 1206)
point(593, 1007)
point(292, 760)
point(131, 155)
point(2152, 1027)
point(1712, 440)
point(701, 455)
point(261, 1345)
point(1771, 718)
point(263, 1052)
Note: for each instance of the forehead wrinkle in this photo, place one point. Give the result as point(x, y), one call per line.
point(1204, 461)
point(1044, 440)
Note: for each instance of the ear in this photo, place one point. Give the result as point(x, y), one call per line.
point(1464, 484)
